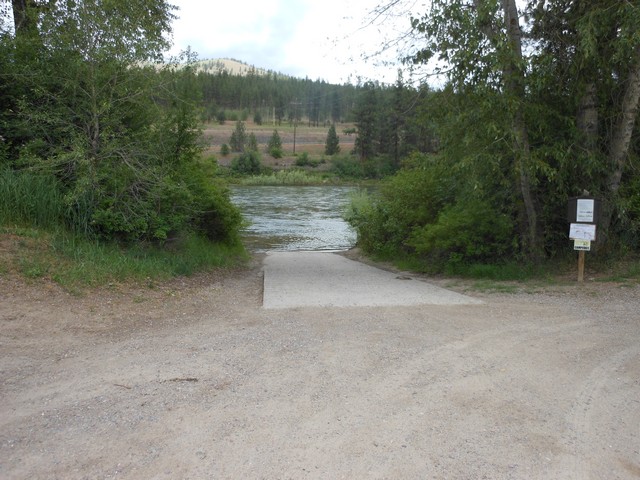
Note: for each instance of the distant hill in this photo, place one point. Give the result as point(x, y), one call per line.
point(229, 65)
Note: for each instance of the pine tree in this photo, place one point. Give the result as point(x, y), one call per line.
point(238, 138)
point(332, 145)
point(274, 147)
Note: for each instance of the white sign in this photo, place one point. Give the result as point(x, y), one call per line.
point(584, 210)
point(582, 231)
point(584, 245)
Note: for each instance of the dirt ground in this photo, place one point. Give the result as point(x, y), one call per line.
point(194, 380)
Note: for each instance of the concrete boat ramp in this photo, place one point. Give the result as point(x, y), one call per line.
point(327, 279)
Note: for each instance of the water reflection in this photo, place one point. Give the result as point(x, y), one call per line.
point(294, 218)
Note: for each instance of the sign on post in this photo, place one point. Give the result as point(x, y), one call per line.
point(582, 231)
point(582, 245)
point(583, 214)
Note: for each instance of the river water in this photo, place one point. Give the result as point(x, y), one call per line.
point(294, 218)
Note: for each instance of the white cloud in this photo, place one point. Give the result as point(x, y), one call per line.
point(305, 38)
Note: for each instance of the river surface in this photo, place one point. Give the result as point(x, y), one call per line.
point(294, 218)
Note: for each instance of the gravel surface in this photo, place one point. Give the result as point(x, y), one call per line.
point(195, 380)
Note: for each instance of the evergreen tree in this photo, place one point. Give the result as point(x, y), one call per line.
point(238, 138)
point(252, 142)
point(274, 146)
point(332, 144)
point(367, 118)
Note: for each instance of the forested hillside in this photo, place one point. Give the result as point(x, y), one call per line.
point(276, 97)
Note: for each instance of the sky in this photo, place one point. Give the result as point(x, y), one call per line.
point(318, 39)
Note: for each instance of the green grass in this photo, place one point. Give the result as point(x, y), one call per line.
point(627, 271)
point(285, 177)
point(76, 263)
point(30, 198)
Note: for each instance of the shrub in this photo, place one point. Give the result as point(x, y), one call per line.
point(274, 146)
point(302, 160)
point(346, 167)
point(247, 164)
point(466, 232)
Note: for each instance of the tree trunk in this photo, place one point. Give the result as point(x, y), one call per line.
point(622, 134)
point(24, 16)
point(587, 118)
point(514, 85)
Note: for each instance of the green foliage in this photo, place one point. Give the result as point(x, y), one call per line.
point(252, 142)
point(225, 150)
point(332, 144)
point(30, 199)
point(347, 167)
point(112, 144)
point(284, 177)
point(247, 163)
point(221, 117)
point(238, 138)
point(274, 146)
point(466, 232)
point(352, 168)
point(424, 212)
point(367, 114)
point(407, 201)
point(257, 118)
point(303, 160)
point(76, 262)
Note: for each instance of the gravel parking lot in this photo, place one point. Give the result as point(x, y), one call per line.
point(195, 380)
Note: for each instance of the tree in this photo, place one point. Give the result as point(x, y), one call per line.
point(238, 138)
point(491, 29)
point(120, 138)
point(252, 142)
point(595, 60)
point(332, 144)
point(366, 115)
point(274, 146)
point(534, 112)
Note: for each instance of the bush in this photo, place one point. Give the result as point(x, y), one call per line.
point(466, 232)
point(302, 160)
point(247, 164)
point(346, 167)
point(407, 201)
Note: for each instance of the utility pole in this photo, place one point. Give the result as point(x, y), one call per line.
point(295, 122)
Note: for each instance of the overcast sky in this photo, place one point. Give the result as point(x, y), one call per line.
point(318, 39)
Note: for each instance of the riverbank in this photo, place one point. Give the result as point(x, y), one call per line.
point(193, 379)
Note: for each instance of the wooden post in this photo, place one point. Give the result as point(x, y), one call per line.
point(581, 266)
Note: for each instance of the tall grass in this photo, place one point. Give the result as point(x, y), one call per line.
point(96, 263)
point(32, 214)
point(284, 177)
point(30, 199)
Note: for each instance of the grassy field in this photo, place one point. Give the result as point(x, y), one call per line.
point(310, 140)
